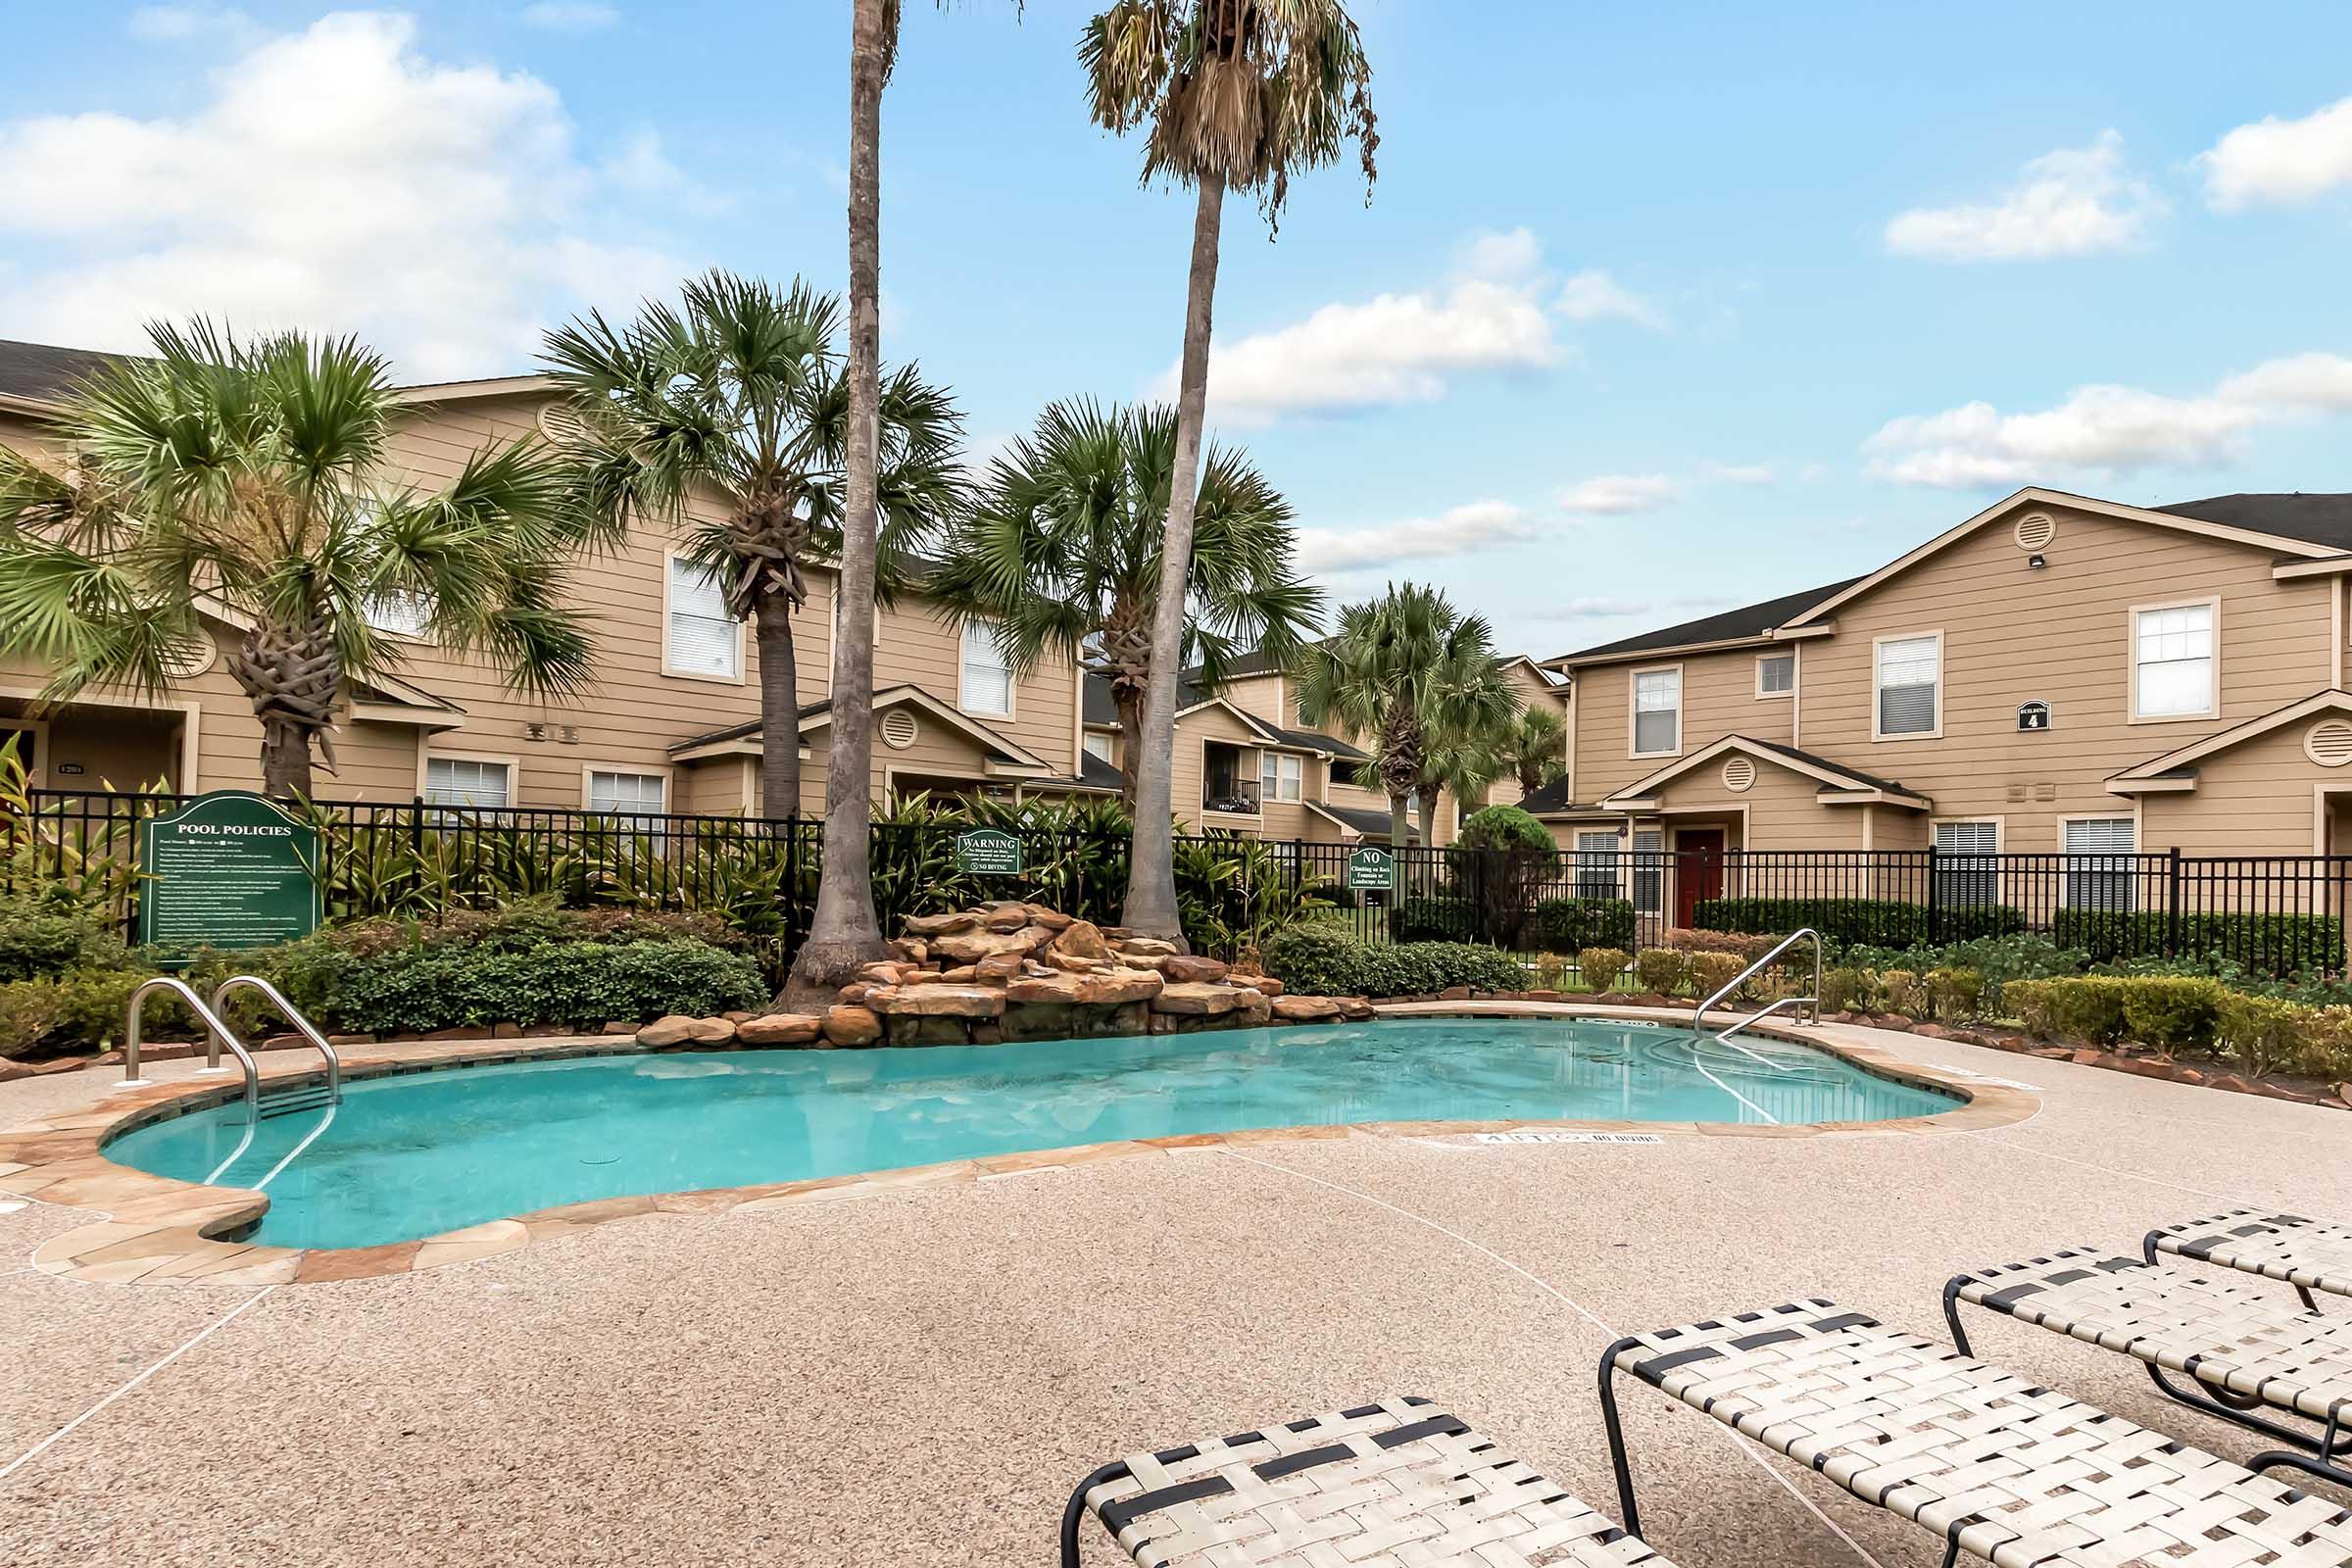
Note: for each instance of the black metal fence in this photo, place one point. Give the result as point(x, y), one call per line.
point(2271, 913)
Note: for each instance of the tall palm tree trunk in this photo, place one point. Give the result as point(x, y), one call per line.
point(844, 932)
point(1130, 705)
point(1401, 827)
point(779, 708)
point(1152, 875)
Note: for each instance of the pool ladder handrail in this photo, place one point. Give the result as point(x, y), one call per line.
point(218, 1032)
point(1698, 1013)
point(302, 1025)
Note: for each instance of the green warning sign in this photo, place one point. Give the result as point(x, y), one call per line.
point(228, 869)
point(1371, 871)
point(989, 851)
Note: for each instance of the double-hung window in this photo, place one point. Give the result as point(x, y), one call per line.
point(2172, 662)
point(1657, 711)
point(1910, 686)
point(2099, 863)
point(1597, 866)
point(616, 790)
point(1968, 867)
point(467, 781)
point(1099, 746)
point(1776, 676)
point(1281, 776)
point(1650, 870)
point(704, 639)
point(986, 681)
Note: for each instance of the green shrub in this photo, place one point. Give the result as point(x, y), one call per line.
point(2172, 1013)
point(1904, 992)
point(44, 934)
point(575, 984)
point(2272, 946)
point(28, 1012)
point(1661, 969)
point(2264, 1034)
point(1845, 922)
point(1600, 966)
point(1955, 995)
point(1570, 925)
point(2000, 959)
point(1710, 972)
point(1506, 827)
point(1433, 920)
point(1317, 959)
point(2034, 1005)
point(1842, 989)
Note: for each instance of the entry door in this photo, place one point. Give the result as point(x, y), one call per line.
point(1698, 870)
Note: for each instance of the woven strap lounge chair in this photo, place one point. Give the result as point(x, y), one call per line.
point(2303, 1253)
point(1393, 1484)
point(2017, 1474)
point(2245, 1349)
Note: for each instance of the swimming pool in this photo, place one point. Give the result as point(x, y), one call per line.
point(420, 1153)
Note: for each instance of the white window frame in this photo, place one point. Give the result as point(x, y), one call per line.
point(1279, 760)
point(1101, 747)
point(1786, 695)
point(589, 770)
point(1632, 710)
point(963, 696)
point(1942, 683)
point(2000, 842)
point(2067, 871)
point(421, 604)
point(2213, 690)
point(1588, 859)
point(1651, 869)
point(670, 560)
point(512, 765)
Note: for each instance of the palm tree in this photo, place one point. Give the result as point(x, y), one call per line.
point(1463, 760)
point(1412, 676)
point(1239, 93)
point(1062, 551)
point(250, 480)
point(742, 397)
point(1535, 752)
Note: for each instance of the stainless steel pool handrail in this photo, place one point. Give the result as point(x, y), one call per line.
point(302, 1025)
point(1698, 1014)
point(218, 1031)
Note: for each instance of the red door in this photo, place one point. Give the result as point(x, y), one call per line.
point(1697, 871)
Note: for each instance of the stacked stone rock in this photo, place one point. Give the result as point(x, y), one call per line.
point(1022, 971)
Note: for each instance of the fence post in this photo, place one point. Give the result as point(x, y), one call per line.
point(2171, 904)
point(1934, 901)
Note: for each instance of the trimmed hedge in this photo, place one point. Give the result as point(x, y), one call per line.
point(1329, 961)
point(1570, 925)
point(2172, 1012)
point(575, 984)
point(2270, 945)
point(1876, 922)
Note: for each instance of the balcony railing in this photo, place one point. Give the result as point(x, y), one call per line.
point(1230, 797)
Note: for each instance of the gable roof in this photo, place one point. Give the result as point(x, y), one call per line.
point(743, 740)
point(1100, 712)
point(2177, 770)
point(41, 373)
point(1841, 785)
point(1362, 821)
point(1724, 626)
point(2316, 518)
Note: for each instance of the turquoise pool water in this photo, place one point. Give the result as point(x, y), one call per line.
point(425, 1153)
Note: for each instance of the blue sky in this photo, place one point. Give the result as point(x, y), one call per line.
point(1653, 308)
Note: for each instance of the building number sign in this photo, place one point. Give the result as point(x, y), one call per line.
point(2033, 715)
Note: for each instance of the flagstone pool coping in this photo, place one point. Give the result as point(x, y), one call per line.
point(154, 1230)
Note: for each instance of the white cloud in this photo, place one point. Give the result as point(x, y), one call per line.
point(1393, 349)
point(1458, 531)
point(183, 24)
point(571, 16)
point(1608, 607)
point(643, 166)
point(2075, 201)
point(2277, 162)
point(1592, 295)
point(2108, 429)
point(1752, 473)
point(336, 179)
point(1615, 494)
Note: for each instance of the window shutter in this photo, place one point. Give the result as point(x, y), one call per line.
point(702, 634)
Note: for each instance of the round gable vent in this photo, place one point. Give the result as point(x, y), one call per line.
point(2036, 530)
point(562, 423)
point(1739, 775)
point(192, 657)
point(899, 730)
point(2328, 742)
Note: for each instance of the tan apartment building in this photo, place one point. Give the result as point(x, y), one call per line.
point(2055, 675)
point(673, 720)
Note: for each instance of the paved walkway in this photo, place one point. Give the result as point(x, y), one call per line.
point(916, 1377)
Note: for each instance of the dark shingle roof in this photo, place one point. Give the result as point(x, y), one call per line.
point(1869, 780)
point(1552, 797)
point(1370, 822)
point(2314, 518)
point(1724, 625)
point(1103, 714)
point(42, 372)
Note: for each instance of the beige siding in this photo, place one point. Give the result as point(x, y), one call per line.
point(1781, 811)
point(1719, 699)
point(2013, 634)
point(2258, 798)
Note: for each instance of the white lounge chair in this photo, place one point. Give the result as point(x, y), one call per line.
point(2304, 1252)
point(2245, 1349)
point(1393, 1484)
point(2015, 1475)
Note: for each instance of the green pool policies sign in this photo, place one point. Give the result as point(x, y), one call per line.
point(228, 869)
point(1371, 869)
point(989, 851)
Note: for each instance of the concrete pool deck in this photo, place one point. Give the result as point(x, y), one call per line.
point(914, 1376)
